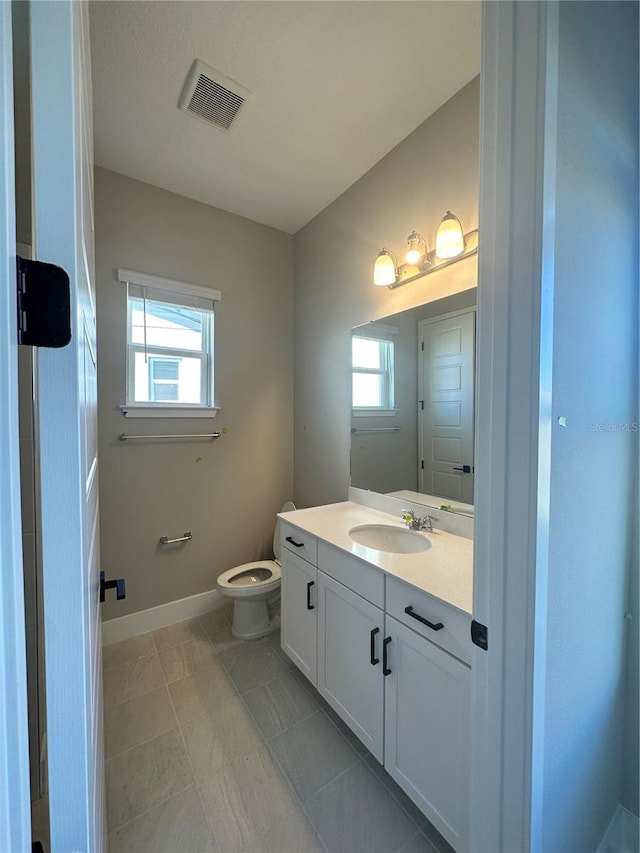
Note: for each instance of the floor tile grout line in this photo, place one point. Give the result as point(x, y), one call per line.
point(150, 809)
point(394, 796)
point(301, 802)
point(143, 693)
point(193, 773)
point(185, 642)
point(142, 742)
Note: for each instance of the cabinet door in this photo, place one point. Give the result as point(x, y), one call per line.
point(427, 729)
point(298, 613)
point(350, 634)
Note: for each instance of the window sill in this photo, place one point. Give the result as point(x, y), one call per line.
point(139, 410)
point(374, 413)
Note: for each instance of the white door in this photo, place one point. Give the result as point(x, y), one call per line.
point(447, 378)
point(63, 230)
point(15, 823)
point(428, 729)
point(299, 613)
point(350, 637)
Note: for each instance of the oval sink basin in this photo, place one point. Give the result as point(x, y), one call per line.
point(393, 540)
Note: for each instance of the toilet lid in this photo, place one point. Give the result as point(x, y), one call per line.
point(288, 507)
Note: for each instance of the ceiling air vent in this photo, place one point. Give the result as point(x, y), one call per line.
point(212, 97)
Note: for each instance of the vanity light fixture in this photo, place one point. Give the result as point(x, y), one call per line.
point(449, 238)
point(452, 245)
point(385, 271)
point(417, 248)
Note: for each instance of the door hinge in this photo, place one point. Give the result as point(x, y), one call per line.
point(479, 634)
point(421, 404)
point(422, 463)
point(422, 345)
point(44, 304)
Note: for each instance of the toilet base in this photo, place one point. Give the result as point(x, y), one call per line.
point(251, 620)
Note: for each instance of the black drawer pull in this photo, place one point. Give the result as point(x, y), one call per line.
point(438, 626)
point(310, 606)
point(293, 542)
point(385, 668)
point(374, 659)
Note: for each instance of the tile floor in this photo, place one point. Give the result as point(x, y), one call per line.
point(214, 744)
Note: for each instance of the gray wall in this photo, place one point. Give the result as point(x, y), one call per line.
point(432, 170)
point(226, 492)
point(595, 381)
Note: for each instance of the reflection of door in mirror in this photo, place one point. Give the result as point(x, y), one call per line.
point(387, 434)
point(446, 382)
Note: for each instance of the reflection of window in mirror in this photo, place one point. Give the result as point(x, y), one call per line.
point(372, 362)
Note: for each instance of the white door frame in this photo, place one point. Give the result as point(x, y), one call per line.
point(517, 201)
point(15, 799)
point(67, 428)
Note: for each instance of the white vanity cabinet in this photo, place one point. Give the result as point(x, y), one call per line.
point(427, 729)
point(299, 630)
point(350, 642)
point(393, 662)
point(428, 706)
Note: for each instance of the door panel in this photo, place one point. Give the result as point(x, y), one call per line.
point(347, 679)
point(447, 361)
point(67, 416)
point(427, 729)
point(299, 613)
point(15, 824)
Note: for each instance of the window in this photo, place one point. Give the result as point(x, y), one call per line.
point(170, 353)
point(372, 375)
point(164, 379)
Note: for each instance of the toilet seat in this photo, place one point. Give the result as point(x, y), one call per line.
point(240, 590)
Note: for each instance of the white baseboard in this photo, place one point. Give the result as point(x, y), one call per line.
point(623, 833)
point(114, 630)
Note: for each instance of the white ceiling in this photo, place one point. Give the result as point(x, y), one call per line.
point(336, 85)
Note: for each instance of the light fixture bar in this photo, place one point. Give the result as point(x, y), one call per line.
point(432, 263)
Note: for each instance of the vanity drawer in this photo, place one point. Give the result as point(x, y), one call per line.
point(301, 543)
point(454, 636)
point(357, 576)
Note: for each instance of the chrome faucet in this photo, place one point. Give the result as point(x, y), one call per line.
point(414, 522)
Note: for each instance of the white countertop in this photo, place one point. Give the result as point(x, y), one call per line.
point(445, 570)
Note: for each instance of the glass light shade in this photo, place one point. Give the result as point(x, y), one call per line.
point(449, 239)
point(384, 271)
point(417, 248)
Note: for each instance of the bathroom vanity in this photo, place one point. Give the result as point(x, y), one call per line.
point(385, 639)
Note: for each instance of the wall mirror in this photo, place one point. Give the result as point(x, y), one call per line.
point(413, 404)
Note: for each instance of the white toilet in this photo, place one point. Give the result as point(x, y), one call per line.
point(253, 587)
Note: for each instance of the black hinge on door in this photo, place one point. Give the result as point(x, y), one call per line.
point(479, 634)
point(118, 585)
point(421, 404)
point(422, 463)
point(422, 345)
point(44, 304)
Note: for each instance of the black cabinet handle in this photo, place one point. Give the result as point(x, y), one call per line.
point(385, 668)
point(294, 543)
point(437, 626)
point(118, 585)
point(310, 606)
point(374, 659)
